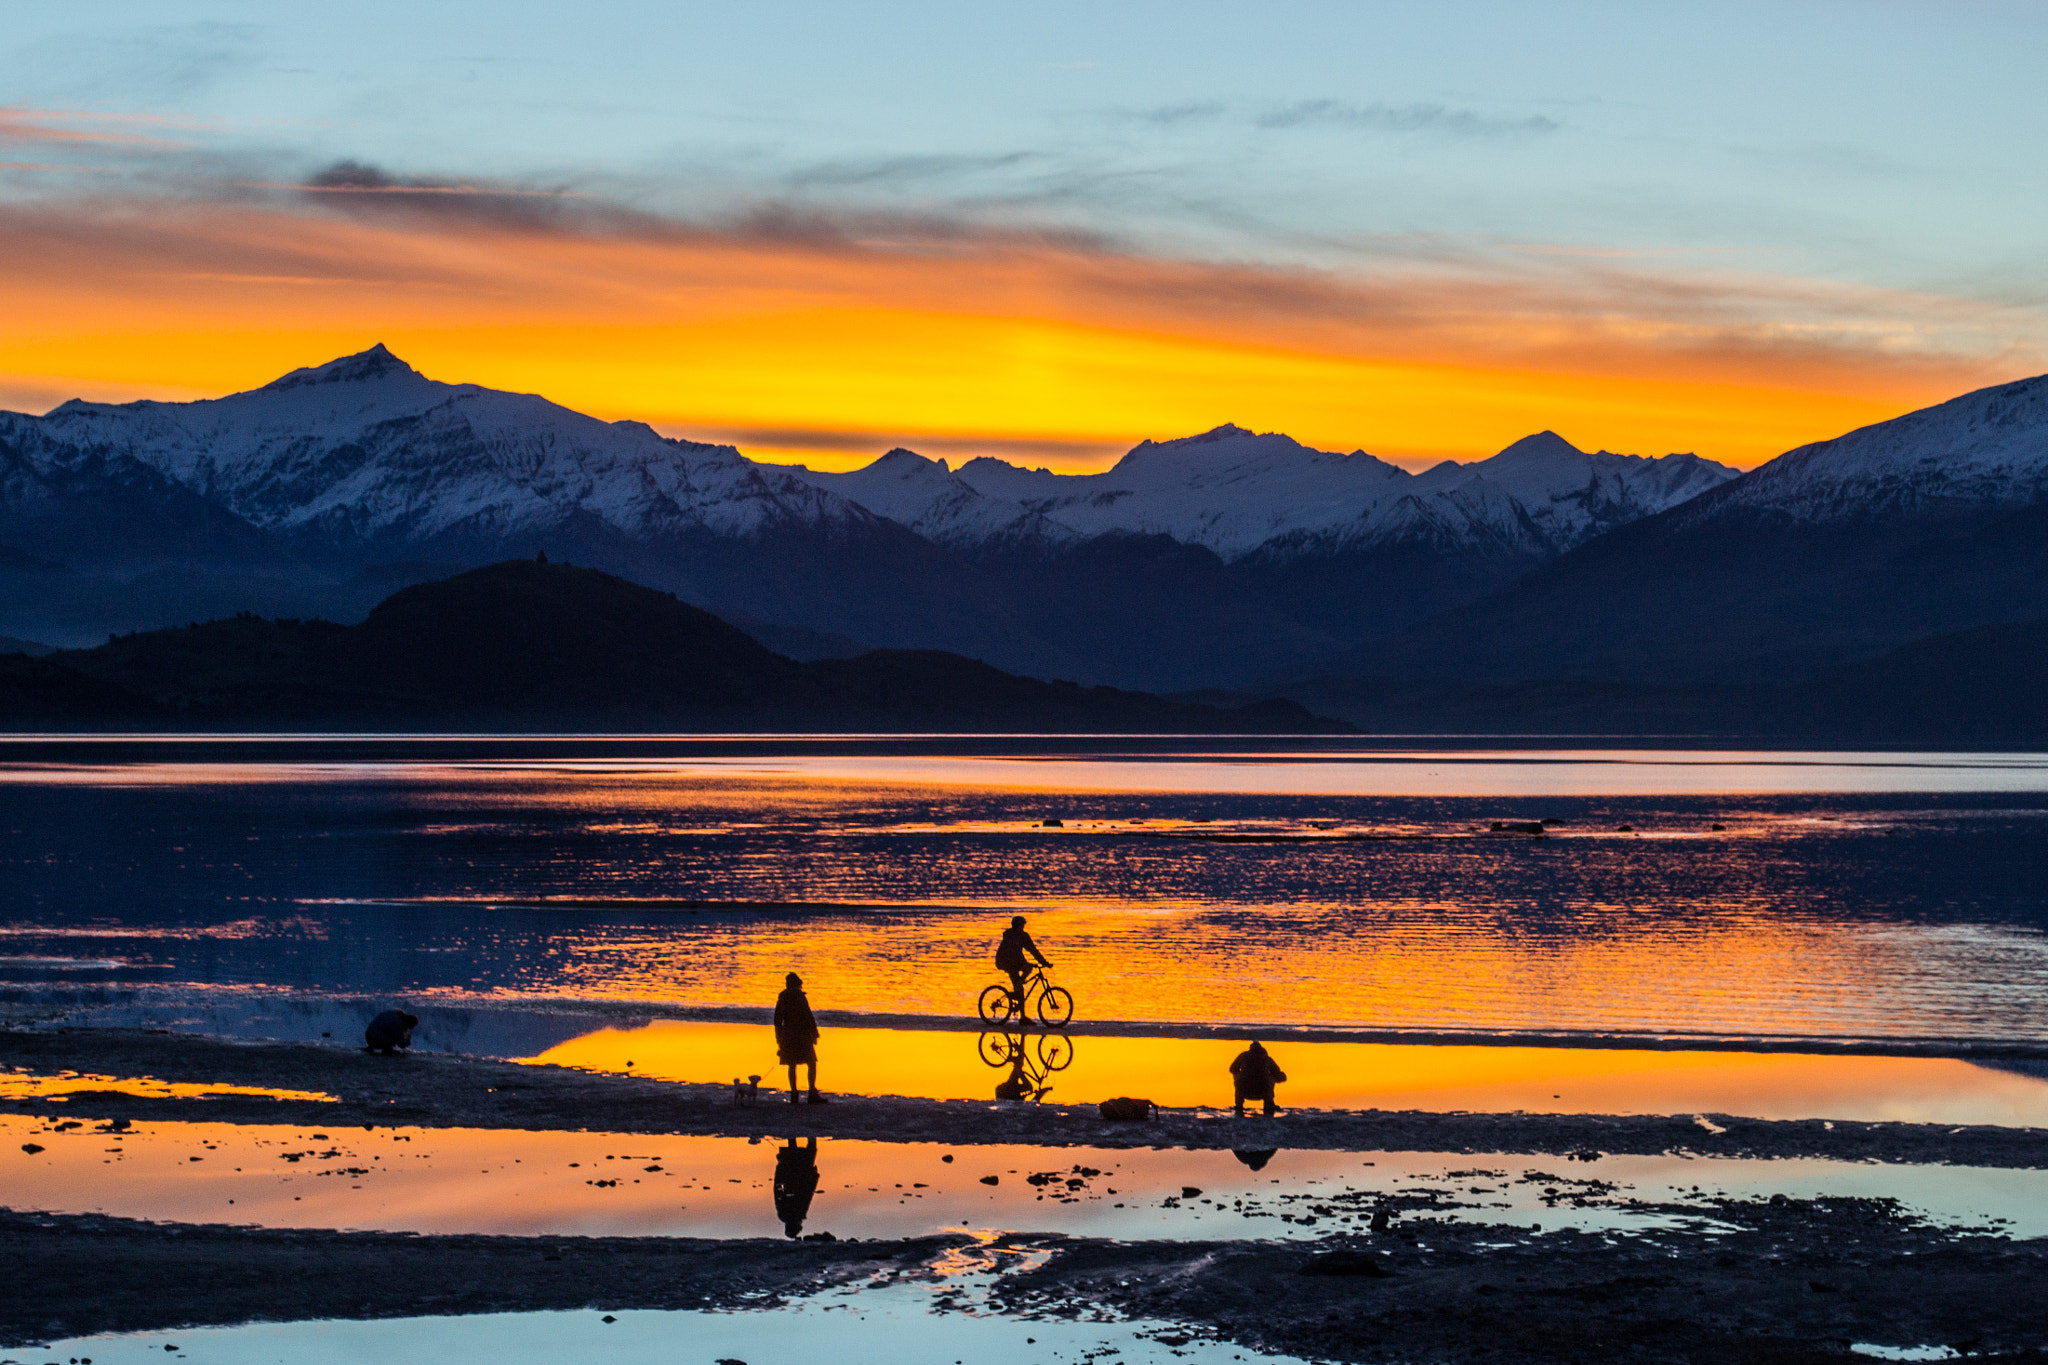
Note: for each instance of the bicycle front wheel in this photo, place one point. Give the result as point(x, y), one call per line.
point(997, 1005)
point(1055, 1007)
point(1055, 1052)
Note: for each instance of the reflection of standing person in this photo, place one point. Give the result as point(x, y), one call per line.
point(796, 1182)
point(1254, 1075)
point(1015, 954)
point(796, 1035)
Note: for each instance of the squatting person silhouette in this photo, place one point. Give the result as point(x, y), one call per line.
point(1253, 1074)
point(390, 1031)
point(1015, 954)
point(796, 1035)
point(796, 1182)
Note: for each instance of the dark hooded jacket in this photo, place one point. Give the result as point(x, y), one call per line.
point(796, 1031)
point(1256, 1073)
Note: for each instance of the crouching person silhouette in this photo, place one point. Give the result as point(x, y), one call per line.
point(796, 1035)
point(1254, 1074)
point(390, 1031)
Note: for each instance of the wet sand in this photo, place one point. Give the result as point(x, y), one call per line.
point(1738, 1279)
point(447, 1091)
point(1794, 1281)
point(76, 1275)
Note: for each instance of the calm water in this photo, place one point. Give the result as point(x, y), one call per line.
point(1885, 895)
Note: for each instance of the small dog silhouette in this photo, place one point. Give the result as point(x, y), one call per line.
point(746, 1091)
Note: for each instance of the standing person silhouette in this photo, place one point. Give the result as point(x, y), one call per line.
point(1015, 954)
point(796, 1183)
point(796, 1035)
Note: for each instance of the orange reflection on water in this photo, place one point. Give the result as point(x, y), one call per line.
point(1187, 1072)
point(1376, 963)
point(16, 1085)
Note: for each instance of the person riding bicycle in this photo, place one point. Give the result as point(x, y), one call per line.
point(1014, 955)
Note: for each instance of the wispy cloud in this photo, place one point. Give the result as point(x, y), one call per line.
point(1400, 118)
point(1171, 115)
point(20, 125)
point(829, 324)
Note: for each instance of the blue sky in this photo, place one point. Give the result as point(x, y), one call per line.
point(1866, 172)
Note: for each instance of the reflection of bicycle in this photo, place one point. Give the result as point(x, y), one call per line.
point(1000, 1005)
point(1031, 1060)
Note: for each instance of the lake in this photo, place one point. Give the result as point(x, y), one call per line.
point(1674, 893)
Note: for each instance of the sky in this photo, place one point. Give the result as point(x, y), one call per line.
point(1044, 232)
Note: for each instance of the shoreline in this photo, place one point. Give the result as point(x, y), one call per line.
point(36, 1008)
point(439, 1090)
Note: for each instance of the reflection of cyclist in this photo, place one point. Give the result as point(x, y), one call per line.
point(1014, 955)
point(796, 1183)
point(1018, 1086)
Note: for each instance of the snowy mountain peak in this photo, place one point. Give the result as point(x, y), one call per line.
point(1544, 445)
point(365, 450)
point(1228, 449)
point(1987, 448)
point(375, 363)
point(905, 463)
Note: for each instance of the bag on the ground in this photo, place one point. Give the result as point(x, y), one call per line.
point(1124, 1109)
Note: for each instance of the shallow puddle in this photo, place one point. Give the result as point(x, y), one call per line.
point(608, 1184)
point(1184, 1072)
point(15, 1085)
point(901, 1324)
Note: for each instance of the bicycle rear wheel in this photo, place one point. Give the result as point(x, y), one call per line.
point(1055, 1007)
point(995, 1049)
point(997, 1005)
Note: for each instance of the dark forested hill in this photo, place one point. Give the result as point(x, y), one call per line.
point(530, 645)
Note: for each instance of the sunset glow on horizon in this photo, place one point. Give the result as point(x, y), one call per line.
point(830, 354)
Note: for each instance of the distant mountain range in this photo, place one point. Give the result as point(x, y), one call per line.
point(533, 646)
point(1544, 582)
point(1191, 562)
point(1830, 554)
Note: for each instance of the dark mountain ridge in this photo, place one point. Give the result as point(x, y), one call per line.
point(526, 645)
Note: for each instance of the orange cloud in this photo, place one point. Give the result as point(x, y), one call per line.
point(831, 339)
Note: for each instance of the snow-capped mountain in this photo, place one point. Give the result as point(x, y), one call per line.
point(1833, 553)
point(1237, 492)
point(365, 450)
point(1985, 449)
point(929, 498)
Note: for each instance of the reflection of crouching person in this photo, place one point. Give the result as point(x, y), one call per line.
point(390, 1031)
point(1254, 1074)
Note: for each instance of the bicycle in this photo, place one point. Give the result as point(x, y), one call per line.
point(1031, 1063)
point(1046, 1052)
point(1000, 1005)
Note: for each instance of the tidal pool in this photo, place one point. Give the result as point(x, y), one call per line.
point(901, 1324)
point(1080, 1068)
point(512, 1181)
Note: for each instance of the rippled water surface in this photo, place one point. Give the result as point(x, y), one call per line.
point(1688, 893)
